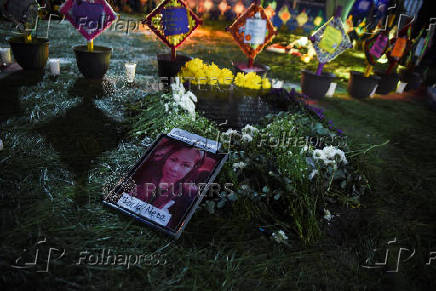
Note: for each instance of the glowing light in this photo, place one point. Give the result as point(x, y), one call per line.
point(269, 11)
point(239, 8)
point(284, 14)
point(208, 5)
point(223, 7)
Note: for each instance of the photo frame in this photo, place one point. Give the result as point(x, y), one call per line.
point(169, 181)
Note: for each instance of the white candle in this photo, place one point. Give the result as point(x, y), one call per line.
point(331, 90)
point(401, 87)
point(130, 72)
point(373, 91)
point(5, 55)
point(55, 67)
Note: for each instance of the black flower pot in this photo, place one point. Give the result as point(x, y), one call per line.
point(169, 68)
point(387, 83)
point(259, 69)
point(30, 56)
point(361, 87)
point(413, 80)
point(315, 86)
point(93, 64)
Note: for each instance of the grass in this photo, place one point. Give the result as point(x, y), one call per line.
point(54, 164)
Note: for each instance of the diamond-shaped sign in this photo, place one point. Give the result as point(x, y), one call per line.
point(172, 21)
point(330, 40)
point(89, 17)
point(375, 47)
point(252, 30)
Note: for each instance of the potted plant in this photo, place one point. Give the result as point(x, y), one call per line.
point(329, 41)
point(252, 31)
point(90, 18)
point(172, 21)
point(419, 47)
point(374, 48)
point(30, 52)
point(398, 48)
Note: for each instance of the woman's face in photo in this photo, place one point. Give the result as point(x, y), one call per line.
point(179, 164)
point(160, 153)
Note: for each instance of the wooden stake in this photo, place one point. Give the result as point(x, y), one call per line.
point(173, 54)
point(368, 71)
point(91, 45)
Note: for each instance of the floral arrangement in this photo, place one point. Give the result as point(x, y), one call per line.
point(180, 98)
point(280, 175)
point(198, 72)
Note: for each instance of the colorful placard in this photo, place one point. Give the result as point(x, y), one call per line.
point(89, 17)
point(172, 21)
point(399, 47)
point(330, 40)
point(379, 46)
point(252, 31)
point(255, 31)
point(175, 21)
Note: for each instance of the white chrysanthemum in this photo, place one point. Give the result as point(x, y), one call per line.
point(318, 155)
point(230, 132)
point(246, 137)
point(279, 236)
point(327, 215)
point(248, 129)
point(239, 165)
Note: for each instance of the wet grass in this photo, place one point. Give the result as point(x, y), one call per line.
point(57, 145)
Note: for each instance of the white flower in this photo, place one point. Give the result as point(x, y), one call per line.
point(239, 165)
point(327, 215)
point(304, 149)
point(330, 155)
point(279, 236)
point(184, 99)
point(248, 129)
point(166, 107)
point(318, 155)
point(246, 137)
point(230, 132)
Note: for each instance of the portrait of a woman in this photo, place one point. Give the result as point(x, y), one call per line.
point(169, 178)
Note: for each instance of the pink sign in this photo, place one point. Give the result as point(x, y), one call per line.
point(379, 46)
point(89, 17)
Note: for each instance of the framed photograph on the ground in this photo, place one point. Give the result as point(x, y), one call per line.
point(168, 183)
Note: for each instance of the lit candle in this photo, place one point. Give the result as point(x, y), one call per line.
point(5, 55)
point(130, 72)
point(55, 67)
point(401, 87)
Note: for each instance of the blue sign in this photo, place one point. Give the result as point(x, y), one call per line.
point(175, 21)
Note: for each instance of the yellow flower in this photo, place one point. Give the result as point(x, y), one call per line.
point(266, 83)
point(212, 73)
point(253, 81)
point(240, 79)
point(225, 77)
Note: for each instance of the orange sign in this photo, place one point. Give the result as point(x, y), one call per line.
point(399, 47)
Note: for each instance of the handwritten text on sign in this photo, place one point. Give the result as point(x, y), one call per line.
point(144, 209)
point(175, 21)
point(255, 31)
